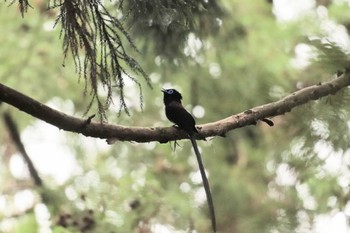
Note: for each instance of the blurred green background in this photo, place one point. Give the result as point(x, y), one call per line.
point(292, 177)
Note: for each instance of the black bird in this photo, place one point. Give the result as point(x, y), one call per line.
point(177, 114)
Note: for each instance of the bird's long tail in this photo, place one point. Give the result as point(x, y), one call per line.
point(205, 183)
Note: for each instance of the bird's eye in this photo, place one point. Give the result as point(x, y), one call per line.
point(170, 91)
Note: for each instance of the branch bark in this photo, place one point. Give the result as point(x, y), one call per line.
point(165, 134)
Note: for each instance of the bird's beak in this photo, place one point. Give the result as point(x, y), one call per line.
point(163, 90)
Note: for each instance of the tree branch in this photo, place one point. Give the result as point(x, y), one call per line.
point(14, 133)
point(165, 134)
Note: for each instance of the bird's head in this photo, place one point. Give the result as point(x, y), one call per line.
point(171, 95)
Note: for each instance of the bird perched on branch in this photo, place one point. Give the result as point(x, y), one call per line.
point(177, 114)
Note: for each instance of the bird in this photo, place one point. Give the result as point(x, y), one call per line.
point(177, 114)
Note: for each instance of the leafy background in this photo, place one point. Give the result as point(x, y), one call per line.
point(293, 177)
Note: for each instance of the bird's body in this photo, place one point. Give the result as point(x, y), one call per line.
point(177, 114)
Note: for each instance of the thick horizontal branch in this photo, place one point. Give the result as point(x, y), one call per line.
point(164, 134)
